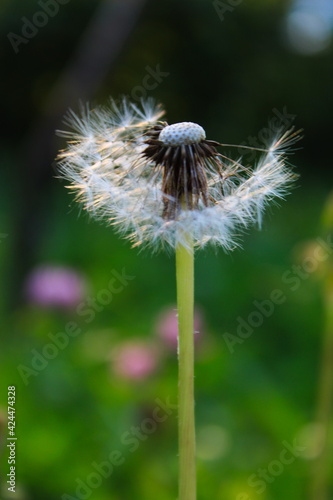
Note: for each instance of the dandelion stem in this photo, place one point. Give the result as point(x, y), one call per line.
point(185, 302)
point(320, 477)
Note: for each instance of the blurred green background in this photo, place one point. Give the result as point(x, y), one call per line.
point(231, 66)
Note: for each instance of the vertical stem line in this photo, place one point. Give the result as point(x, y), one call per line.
point(186, 422)
point(321, 465)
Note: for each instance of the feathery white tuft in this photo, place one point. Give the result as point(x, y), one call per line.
point(108, 172)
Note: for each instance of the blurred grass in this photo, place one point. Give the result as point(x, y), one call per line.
point(75, 411)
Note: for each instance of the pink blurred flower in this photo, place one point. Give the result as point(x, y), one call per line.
point(134, 360)
point(167, 327)
point(55, 286)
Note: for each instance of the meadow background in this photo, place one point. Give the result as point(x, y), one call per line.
point(93, 396)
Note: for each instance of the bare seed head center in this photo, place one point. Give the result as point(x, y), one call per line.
point(183, 154)
point(183, 133)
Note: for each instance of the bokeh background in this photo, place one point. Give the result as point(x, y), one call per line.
point(91, 365)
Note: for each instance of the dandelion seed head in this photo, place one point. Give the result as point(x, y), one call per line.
point(156, 182)
point(182, 133)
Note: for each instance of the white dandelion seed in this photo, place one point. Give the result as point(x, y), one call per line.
point(157, 182)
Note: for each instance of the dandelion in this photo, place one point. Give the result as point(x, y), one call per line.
point(168, 186)
point(158, 182)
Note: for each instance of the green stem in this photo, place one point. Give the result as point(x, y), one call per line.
point(185, 302)
point(320, 473)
